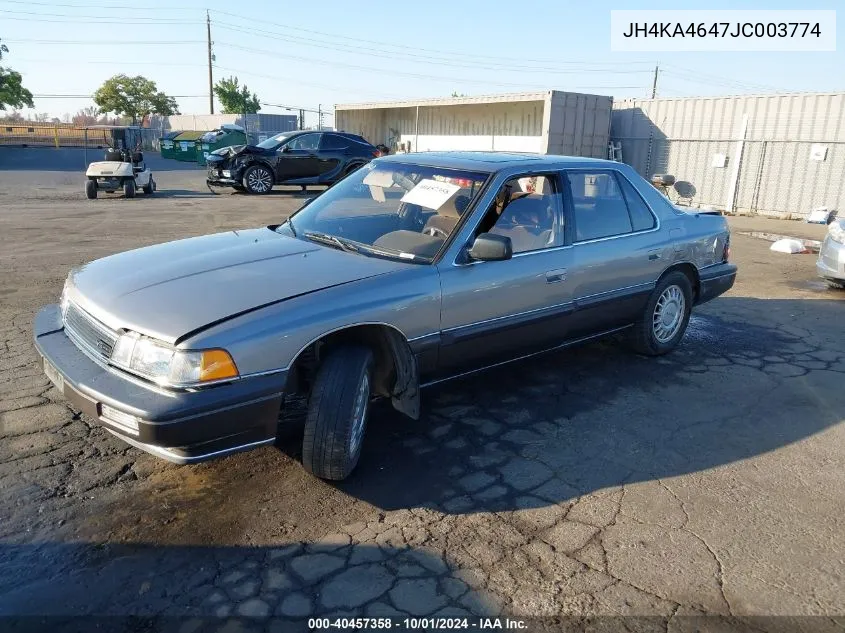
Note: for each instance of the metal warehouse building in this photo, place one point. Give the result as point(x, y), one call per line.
point(779, 155)
point(551, 122)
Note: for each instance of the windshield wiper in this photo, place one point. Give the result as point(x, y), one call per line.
point(331, 240)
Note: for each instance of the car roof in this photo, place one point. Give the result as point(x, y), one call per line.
point(494, 161)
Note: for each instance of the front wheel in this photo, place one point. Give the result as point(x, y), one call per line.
point(665, 317)
point(258, 179)
point(128, 188)
point(91, 189)
point(337, 413)
point(150, 187)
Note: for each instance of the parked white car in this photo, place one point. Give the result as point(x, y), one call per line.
point(831, 262)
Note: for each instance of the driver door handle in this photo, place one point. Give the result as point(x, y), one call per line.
point(555, 276)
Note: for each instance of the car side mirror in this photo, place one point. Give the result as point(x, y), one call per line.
point(286, 150)
point(488, 247)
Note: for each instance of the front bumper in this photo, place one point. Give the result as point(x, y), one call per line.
point(715, 280)
point(215, 178)
point(831, 261)
point(184, 427)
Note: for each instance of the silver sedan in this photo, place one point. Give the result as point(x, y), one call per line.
point(831, 262)
point(415, 269)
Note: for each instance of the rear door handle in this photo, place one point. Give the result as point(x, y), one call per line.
point(554, 276)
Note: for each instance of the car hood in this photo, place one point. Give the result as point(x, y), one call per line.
point(227, 153)
point(170, 290)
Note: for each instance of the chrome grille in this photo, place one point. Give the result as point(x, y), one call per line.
point(88, 334)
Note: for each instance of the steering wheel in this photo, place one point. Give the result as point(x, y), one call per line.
point(436, 232)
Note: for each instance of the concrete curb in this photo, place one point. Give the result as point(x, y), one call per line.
point(811, 245)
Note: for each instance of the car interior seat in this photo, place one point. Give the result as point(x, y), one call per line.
point(442, 223)
point(528, 220)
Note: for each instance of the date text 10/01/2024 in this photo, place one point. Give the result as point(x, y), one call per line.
point(723, 29)
point(315, 624)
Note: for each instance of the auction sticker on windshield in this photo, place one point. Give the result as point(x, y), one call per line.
point(430, 193)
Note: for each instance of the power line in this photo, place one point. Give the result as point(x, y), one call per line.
point(85, 19)
point(105, 42)
point(463, 80)
point(57, 96)
point(97, 6)
point(428, 59)
point(404, 47)
point(299, 82)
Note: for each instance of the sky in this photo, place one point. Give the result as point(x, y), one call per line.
point(315, 55)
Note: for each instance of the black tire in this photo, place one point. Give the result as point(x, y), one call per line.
point(91, 189)
point(258, 179)
point(128, 188)
point(835, 285)
point(351, 169)
point(332, 441)
point(644, 339)
point(150, 187)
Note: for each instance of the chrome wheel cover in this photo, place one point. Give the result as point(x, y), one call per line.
point(260, 180)
point(359, 414)
point(669, 314)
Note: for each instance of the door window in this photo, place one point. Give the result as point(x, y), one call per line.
point(333, 142)
point(642, 219)
point(606, 205)
point(307, 142)
point(526, 211)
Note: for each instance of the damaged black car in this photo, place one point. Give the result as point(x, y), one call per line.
point(302, 158)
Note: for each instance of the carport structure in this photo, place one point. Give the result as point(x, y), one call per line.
point(548, 122)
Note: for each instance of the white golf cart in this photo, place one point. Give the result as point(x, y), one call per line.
point(123, 167)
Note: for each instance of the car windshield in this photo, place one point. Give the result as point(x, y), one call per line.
point(273, 141)
point(389, 209)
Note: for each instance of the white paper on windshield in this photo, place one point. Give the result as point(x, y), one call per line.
point(377, 193)
point(430, 194)
point(378, 178)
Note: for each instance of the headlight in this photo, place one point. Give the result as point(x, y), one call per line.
point(64, 299)
point(836, 229)
point(167, 365)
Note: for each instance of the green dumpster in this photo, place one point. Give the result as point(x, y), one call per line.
point(166, 144)
point(185, 146)
point(224, 136)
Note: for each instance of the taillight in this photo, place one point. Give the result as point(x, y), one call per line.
point(377, 153)
point(726, 254)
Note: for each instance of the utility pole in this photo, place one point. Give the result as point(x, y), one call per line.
point(653, 85)
point(301, 119)
point(210, 58)
point(319, 116)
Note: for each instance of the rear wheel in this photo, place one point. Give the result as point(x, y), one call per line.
point(129, 188)
point(258, 179)
point(665, 317)
point(835, 285)
point(337, 413)
point(91, 189)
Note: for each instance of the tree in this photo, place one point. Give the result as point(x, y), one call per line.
point(86, 116)
point(12, 92)
point(133, 97)
point(455, 93)
point(236, 99)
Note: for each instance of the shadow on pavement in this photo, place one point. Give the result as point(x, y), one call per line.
point(294, 581)
point(750, 377)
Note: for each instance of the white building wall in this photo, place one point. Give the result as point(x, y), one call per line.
point(776, 175)
point(515, 122)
